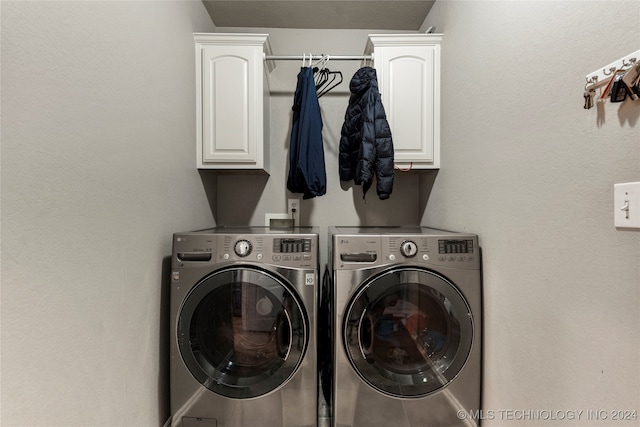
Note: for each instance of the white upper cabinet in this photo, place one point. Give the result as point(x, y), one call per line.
point(408, 69)
point(233, 101)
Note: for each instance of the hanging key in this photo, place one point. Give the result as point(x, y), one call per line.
point(618, 90)
point(588, 98)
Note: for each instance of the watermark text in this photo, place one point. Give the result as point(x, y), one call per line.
point(525, 415)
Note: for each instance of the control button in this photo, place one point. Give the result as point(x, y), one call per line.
point(242, 248)
point(276, 257)
point(225, 256)
point(425, 257)
point(297, 258)
point(259, 257)
point(307, 257)
point(286, 257)
point(408, 248)
point(392, 257)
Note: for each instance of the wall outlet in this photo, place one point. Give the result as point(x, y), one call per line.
point(293, 209)
point(626, 199)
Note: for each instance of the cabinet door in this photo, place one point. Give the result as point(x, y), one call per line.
point(230, 76)
point(410, 87)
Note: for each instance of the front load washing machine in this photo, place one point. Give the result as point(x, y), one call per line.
point(243, 322)
point(407, 320)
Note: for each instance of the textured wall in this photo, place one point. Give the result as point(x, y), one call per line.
point(532, 172)
point(98, 170)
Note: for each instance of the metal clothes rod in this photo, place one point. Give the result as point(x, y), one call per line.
point(317, 57)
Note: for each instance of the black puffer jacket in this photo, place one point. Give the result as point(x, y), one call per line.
point(366, 147)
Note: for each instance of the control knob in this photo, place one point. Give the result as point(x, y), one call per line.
point(408, 248)
point(242, 248)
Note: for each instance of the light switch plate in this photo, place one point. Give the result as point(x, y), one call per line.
point(626, 199)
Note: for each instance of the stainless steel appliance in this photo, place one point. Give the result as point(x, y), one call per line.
point(243, 328)
point(407, 304)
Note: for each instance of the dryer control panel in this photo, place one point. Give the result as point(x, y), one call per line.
point(442, 250)
point(358, 251)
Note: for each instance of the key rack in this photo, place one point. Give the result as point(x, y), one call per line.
point(602, 76)
point(618, 80)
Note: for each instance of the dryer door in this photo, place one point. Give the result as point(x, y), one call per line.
point(407, 332)
point(242, 332)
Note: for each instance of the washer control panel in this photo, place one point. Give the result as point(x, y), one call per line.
point(295, 250)
point(292, 245)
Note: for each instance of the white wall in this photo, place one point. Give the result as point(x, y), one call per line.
point(532, 172)
point(98, 171)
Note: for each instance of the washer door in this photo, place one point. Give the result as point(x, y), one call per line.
point(242, 332)
point(407, 332)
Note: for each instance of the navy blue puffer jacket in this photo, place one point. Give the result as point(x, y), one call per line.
point(366, 146)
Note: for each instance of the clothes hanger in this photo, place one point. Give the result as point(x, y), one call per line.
point(318, 69)
point(327, 89)
point(307, 60)
point(322, 76)
point(320, 62)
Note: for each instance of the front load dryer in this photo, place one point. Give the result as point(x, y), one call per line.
point(243, 322)
point(407, 317)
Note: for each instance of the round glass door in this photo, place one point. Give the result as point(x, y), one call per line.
point(407, 332)
point(242, 332)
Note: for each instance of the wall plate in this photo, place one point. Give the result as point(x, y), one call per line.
point(626, 210)
point(278, 220)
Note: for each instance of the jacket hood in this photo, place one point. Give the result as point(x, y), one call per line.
point(363, 79)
